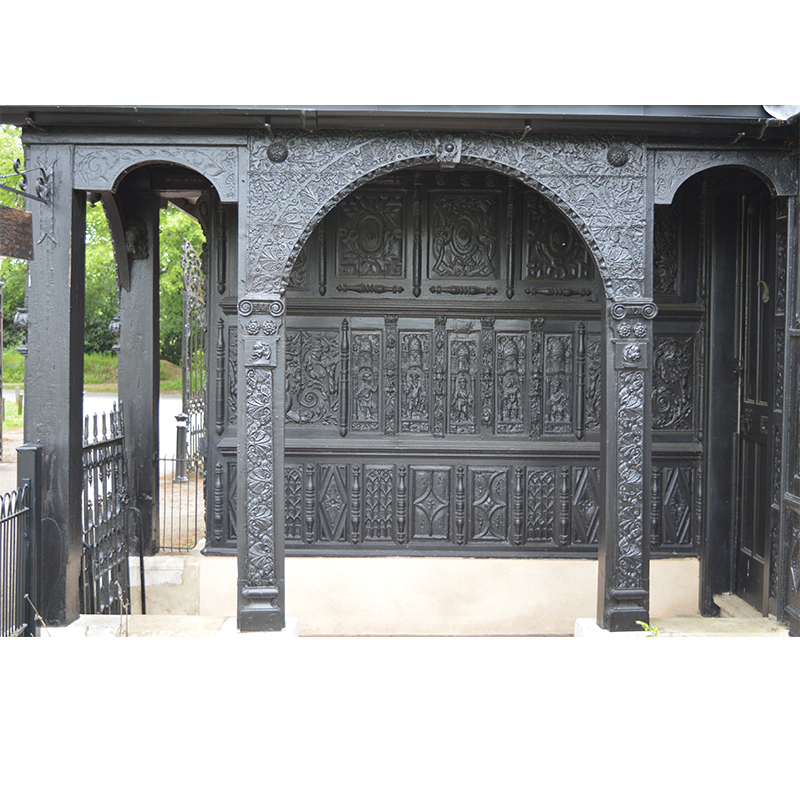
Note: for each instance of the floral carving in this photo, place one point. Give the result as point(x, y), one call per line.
point(672, 383)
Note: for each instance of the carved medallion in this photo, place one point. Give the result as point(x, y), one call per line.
point(464, 236)
point(370, 236)
point(555, 250)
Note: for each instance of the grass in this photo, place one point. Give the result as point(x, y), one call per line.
point(99, 372)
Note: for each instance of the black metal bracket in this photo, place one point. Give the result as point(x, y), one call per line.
point(42, 183)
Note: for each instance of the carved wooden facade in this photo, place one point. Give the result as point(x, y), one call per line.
point(442, 342)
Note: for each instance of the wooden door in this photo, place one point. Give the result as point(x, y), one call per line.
point(756, 399)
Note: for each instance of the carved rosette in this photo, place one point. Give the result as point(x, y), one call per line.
point(260, 322)
point(604, 203)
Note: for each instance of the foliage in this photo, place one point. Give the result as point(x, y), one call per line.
point(650, 629)
point(101, 282)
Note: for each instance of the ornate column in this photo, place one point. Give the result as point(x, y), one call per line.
point(625, 457)
point(54, 377)
point(261, 502)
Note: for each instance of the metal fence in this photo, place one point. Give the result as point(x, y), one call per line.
point(18, 531)
point(182, 493)
point(105, 581)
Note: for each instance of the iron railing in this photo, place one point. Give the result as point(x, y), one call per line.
point(182, 493)
point(19, 526)
point(105, 581)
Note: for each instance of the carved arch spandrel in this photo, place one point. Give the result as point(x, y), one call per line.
point(101, 168)
point(294, 180)
point(672, 168)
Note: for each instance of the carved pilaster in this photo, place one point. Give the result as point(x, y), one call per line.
point(626, 459)
point(220, 378)
point(439, 375)
point(261, 579)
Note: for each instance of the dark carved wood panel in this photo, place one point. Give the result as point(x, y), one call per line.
point(441, 328)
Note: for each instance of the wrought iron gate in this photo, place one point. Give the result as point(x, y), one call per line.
point(105, 580)
point(194, 353)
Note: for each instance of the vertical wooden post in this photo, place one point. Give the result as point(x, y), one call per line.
point(139, 366)
point(54, 378)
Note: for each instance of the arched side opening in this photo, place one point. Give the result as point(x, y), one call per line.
point(734, 239)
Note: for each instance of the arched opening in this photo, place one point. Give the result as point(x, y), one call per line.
point(733, 235)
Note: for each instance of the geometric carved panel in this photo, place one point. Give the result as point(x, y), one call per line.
point(378, 503)
point(585, 505)
point(676, 498)
point(489, 502)
point(430, 500)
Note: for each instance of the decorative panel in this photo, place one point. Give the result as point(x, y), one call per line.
point(555, 251)
point(370, 236)
point(233, 360)
point(293, 502)
point(558, 383)
point(464, 236)
point(232, 489)
point(312, 387)
point(510, 385)
point(673, 378)
point(430, 502)
point(378, 503)
point(676, 515)
point(592, 406)
point(415, 380)
point(366, 380)
point(333, 502)
point(489, 503)
point(463, 368)
point(585, 504)
point(540, 511)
